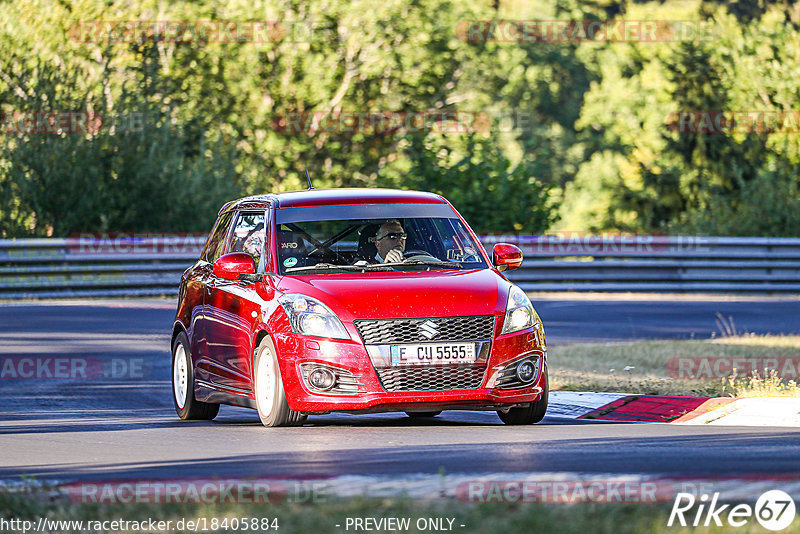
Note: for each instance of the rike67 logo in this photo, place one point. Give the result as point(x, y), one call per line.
point(774, 510)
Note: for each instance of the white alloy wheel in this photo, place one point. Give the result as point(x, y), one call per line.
point(273, 409)
point(180, 375)
point(183, 394)
point(265, 383)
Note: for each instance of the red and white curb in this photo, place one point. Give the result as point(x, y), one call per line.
point(574, 404)
point(622, 407)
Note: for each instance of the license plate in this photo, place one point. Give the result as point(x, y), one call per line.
point(433, 354)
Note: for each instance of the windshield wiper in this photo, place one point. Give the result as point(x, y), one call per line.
point(373, 266)
point(334, 267)
point(434, 263)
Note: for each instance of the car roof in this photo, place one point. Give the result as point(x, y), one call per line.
point(334, 197)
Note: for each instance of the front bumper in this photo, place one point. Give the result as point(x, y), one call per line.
point(299, 353)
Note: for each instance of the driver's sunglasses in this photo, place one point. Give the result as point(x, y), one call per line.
point(396, 235)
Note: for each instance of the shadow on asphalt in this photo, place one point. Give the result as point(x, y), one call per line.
point(108, 423)
point(662, 455)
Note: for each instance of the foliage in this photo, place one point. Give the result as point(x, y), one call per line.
point(580, 135)
point(654, 177)
point(130, 169)
point(474, 174)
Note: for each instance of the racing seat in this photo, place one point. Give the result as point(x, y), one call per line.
point(367, 250)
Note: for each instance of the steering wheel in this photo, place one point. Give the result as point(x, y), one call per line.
point(416, 254)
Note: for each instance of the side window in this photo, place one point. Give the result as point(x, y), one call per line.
point(214, 247)
point(249, 235)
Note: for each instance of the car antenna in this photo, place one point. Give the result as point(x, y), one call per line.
point(308, 177)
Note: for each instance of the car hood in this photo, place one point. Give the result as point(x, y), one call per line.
point(404, 294)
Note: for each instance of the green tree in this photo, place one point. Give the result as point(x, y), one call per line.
point(472, 172)
point(130, 169)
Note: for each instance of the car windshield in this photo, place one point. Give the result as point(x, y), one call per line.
point(375, 244)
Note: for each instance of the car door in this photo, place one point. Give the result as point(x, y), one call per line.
point(194, 280)
point(192, 305)
point(232, 309)
point(200, 283)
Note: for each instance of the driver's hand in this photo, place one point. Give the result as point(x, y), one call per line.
point(393, 256)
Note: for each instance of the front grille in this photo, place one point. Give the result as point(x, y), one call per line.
point(430, 378)
point(395, 331)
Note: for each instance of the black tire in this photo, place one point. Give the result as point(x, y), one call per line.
point(530, 415)
point(273, 409)
point(188, 408)
point(422, 415)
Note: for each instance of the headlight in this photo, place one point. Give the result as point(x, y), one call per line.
point(519, 312)
point(310, 317)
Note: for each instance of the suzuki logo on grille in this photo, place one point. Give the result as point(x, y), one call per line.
point(429, 329)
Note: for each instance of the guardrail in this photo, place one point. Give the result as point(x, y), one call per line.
point(126, 266)
point(133, 266)
point(646, 263)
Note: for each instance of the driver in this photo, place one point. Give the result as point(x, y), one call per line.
point(390, 242)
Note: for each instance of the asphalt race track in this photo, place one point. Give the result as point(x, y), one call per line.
point(120, 423)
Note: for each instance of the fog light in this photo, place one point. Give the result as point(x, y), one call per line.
point(526, 371)
point(321, 378)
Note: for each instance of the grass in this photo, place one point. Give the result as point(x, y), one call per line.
point(652, 367)
point(322, 518)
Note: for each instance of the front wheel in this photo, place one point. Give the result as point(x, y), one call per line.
point(186, 405)
point(273, 409)
point(532, 414)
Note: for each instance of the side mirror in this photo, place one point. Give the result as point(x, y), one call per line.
point(506, 257)
point(230, 266)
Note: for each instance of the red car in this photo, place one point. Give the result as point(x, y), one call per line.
point(357, 301)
